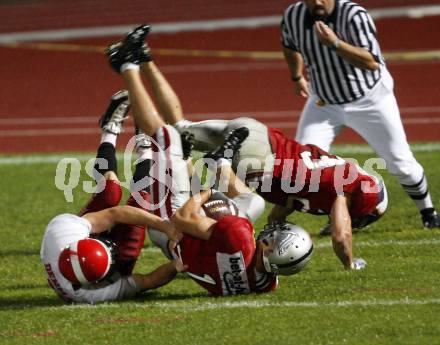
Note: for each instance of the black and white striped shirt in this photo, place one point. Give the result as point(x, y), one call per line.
point(332, 78)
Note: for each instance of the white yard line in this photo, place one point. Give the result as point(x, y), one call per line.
point(200, 306)
point(397, 243)
point(202, 25)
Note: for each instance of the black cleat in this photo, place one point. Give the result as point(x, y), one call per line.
point(144, 54)
point(230, 146)
point(111, 121)
point(143, 141)
point(137, 35)
point(132, 49)
point(430, 219)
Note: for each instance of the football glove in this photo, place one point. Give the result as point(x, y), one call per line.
point(358, 264)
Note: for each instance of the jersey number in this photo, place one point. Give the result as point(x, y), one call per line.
point(322, 162)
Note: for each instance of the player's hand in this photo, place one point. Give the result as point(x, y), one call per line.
point(358, 264)
point(172, 232)
point(325, 35)
point(302, 88)
point(179, 266)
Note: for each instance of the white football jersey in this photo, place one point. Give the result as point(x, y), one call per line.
point(60, 232)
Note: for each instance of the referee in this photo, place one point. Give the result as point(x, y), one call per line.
point(349, 86)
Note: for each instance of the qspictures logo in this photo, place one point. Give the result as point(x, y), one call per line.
point(168, 175)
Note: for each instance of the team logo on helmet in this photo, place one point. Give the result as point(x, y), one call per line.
point(286, 241)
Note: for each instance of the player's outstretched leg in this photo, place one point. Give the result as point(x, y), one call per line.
point(125, 57)
point(167, 101)
point(106, 164)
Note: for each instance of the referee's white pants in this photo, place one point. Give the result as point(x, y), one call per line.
point(375, 117)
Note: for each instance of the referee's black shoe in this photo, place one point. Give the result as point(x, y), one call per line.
point(430, 218)
point(230, 146)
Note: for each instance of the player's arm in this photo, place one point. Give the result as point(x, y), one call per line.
point(341, 230)
point(357, 56)
point(160, 276)
point(295, 63)
point(188, 219)
point(279, 214)
point(106, 219)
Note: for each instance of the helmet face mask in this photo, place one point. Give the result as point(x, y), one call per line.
point(87, 261)
point(288, 248)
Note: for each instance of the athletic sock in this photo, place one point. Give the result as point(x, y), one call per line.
point(107, 152)
point(107, 137)
point(419, 193)
point(142, 170)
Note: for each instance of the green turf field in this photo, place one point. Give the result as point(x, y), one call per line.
point(396, 300)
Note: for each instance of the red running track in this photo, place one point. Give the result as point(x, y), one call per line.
point(51, 100)
point(55, 14)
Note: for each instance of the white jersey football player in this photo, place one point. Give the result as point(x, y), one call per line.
point(66, 231)
point(82, 267)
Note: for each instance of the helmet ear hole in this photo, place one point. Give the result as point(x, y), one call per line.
point(86, 261)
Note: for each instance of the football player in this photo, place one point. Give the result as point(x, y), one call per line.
point(225, 259)
point(90, 257)
point(221, 255)
point(328, 184)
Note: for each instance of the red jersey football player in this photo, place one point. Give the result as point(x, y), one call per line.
point(308, 179)
point(223, 257)
point(273, 164)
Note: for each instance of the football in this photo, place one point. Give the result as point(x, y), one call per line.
point(219, 208)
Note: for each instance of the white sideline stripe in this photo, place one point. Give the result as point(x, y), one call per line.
point(338, 149)
point(410, 11)
point(23, 121)
point(202, 25)
point(200, 306)
point(18, 133)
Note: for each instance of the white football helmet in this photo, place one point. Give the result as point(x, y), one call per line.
point(291, 248)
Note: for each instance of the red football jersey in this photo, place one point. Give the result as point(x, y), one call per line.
point(308, 179)
point(225, 264)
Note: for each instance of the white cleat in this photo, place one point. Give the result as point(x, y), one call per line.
point(115, 115)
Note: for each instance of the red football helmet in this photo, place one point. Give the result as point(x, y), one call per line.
point(87, 261)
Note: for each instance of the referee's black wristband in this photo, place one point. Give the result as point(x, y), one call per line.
point(296, 79)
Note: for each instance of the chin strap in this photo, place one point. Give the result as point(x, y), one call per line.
point(266, 264)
